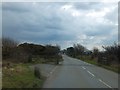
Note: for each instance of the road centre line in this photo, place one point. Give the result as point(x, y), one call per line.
point(94, 75)
point(98, 79)
point(91, 73)
point(105, 83)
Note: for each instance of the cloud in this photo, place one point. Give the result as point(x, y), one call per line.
point(90, 24)
point(15, 7)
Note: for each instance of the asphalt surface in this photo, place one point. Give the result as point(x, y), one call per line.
point(75, 73)
point(45, 69)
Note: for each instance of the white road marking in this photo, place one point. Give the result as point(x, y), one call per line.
point(52, 71)
point(91, 73)
point(105, 83)
point(83, 67)
point(89, 64)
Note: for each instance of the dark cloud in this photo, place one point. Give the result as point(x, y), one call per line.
point(51, 23)
point(15, 7)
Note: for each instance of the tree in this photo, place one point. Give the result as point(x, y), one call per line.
point(27, 51)
point(95, 52)
point(70, 51)
point(32, 49)
point(52, 50)
point(111, 53)
point(9, 42)
point(9, 47)
point(79, 49)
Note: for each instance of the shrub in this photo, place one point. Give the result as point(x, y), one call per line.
point(37, 72)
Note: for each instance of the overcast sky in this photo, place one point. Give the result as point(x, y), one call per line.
point(91, 24)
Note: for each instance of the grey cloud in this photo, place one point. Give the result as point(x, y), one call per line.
point(100, 30)
point(46, 22)
point(88, 6)
point(15, 7)
point(110, 40)
point(113, 16)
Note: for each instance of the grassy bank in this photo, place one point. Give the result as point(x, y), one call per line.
point(114, 68)
point(20, 76)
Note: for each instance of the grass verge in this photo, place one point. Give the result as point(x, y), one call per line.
point(115, 68)
point(20, 76)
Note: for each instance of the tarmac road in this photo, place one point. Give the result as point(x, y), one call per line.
point(75, 73)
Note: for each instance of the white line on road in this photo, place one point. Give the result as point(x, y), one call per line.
point(91, 73)
point(105, 83)
point(87, 63)
point(52, 71)
point(83, 67)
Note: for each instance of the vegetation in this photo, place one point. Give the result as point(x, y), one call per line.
point(37, 72)
point(26, 52)
point(107, 58)
point(16, 59)
point(20, 76)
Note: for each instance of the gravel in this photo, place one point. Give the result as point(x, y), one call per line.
point(45, 69)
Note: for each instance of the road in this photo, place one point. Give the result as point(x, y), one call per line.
point(75, 73)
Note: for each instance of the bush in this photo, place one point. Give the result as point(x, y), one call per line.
point(37, 72)
point(8, 47)
point(25, 52)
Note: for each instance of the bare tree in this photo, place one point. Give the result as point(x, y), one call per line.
point(79, 49)
point(9, 42)
point(95, 52)
point(111, 53)
point(8, 47)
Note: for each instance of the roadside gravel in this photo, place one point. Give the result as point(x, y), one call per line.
point(45, 69)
